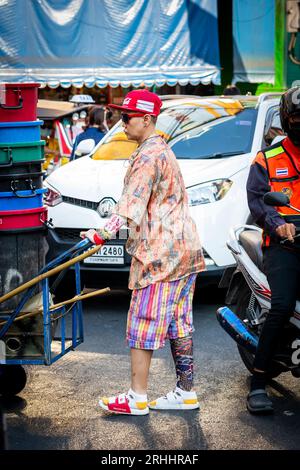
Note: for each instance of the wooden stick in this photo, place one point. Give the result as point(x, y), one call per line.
point(22, 317)
point(52, 271)
point(80, 297)
point(61, 304)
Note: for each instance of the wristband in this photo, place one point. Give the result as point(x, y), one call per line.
point(97, 239)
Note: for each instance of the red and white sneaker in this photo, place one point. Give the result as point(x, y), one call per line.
point(124, 404)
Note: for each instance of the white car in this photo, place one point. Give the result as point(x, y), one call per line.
point(214, 139)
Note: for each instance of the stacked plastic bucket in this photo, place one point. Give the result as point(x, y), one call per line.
point(21, 158)
point(22, 214)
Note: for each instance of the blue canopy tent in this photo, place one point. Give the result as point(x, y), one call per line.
point(109, 42)
point(254, 41)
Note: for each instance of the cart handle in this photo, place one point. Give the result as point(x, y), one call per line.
point(80, 246)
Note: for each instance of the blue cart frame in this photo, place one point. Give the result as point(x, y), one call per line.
point(50, 314)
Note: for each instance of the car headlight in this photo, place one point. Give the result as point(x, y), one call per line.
point(53, 197)
point(210, 191)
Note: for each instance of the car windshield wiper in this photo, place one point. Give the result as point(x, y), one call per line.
point(223, 154)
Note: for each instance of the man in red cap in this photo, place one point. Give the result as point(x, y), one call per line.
point(166, 257)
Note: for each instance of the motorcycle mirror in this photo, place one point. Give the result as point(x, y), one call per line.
point(276, 199)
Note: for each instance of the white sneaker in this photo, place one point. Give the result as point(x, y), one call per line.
point(176, 401)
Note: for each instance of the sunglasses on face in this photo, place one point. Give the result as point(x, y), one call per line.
point(126, 117)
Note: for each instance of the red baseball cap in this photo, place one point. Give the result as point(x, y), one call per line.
point(140, 101)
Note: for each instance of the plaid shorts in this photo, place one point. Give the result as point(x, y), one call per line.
point(159, 311)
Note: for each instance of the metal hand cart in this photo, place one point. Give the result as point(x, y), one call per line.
point(46, 318)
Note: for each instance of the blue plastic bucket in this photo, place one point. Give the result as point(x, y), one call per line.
point(26, 131)
point(22, 200)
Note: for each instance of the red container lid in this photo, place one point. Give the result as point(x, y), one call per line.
point(22, 219)
point(24, 211)
point(21, 85)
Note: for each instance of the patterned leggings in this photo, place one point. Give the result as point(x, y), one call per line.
point(182, 351)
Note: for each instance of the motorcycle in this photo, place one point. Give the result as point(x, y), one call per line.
point(249, 291)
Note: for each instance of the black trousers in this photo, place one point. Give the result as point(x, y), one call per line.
point(282, 268)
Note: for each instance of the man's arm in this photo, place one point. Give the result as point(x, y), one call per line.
point(111, 228)
point(136, 193)
point(133, 202)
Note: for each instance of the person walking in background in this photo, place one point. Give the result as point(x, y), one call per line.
point(96, 128)
point(166, 257)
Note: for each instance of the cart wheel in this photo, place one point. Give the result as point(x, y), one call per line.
point(13, 379)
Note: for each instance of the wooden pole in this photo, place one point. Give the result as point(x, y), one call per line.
point(74, 299)
point(52, 271)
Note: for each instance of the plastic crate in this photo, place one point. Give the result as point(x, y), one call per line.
point(19, 102)
point(11, 132)
point(21, 152)
point(21, 182)
point(21, 168)
point(21, 200)
point(20, 220)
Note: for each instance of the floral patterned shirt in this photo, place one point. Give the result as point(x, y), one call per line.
point(163, 239)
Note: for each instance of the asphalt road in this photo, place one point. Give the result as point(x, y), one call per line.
point(58, 409)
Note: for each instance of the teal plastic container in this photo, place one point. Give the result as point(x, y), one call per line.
point(21, 152)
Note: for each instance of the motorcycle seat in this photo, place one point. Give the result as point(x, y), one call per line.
point(251, 242)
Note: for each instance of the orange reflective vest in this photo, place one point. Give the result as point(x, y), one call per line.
point(285, 177)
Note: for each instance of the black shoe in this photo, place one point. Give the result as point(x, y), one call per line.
point(258, 402)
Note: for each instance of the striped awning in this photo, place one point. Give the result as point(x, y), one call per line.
point(109, 42)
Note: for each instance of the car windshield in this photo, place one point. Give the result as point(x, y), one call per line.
point(212, 128)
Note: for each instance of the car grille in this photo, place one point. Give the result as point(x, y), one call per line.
point(73, 234)
point(81, 202)
point(69, 234)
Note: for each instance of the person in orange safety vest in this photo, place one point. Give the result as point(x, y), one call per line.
point(277, 168)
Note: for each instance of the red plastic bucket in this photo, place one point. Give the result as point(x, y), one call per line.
point(18, 101)
point(23, 219)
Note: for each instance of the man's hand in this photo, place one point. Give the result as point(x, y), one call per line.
point(286, 231)
point(93, 236)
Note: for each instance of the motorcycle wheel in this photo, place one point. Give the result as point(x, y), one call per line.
point(246, 356)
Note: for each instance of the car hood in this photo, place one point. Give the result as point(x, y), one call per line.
point(199, 171)
point(92, 180)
